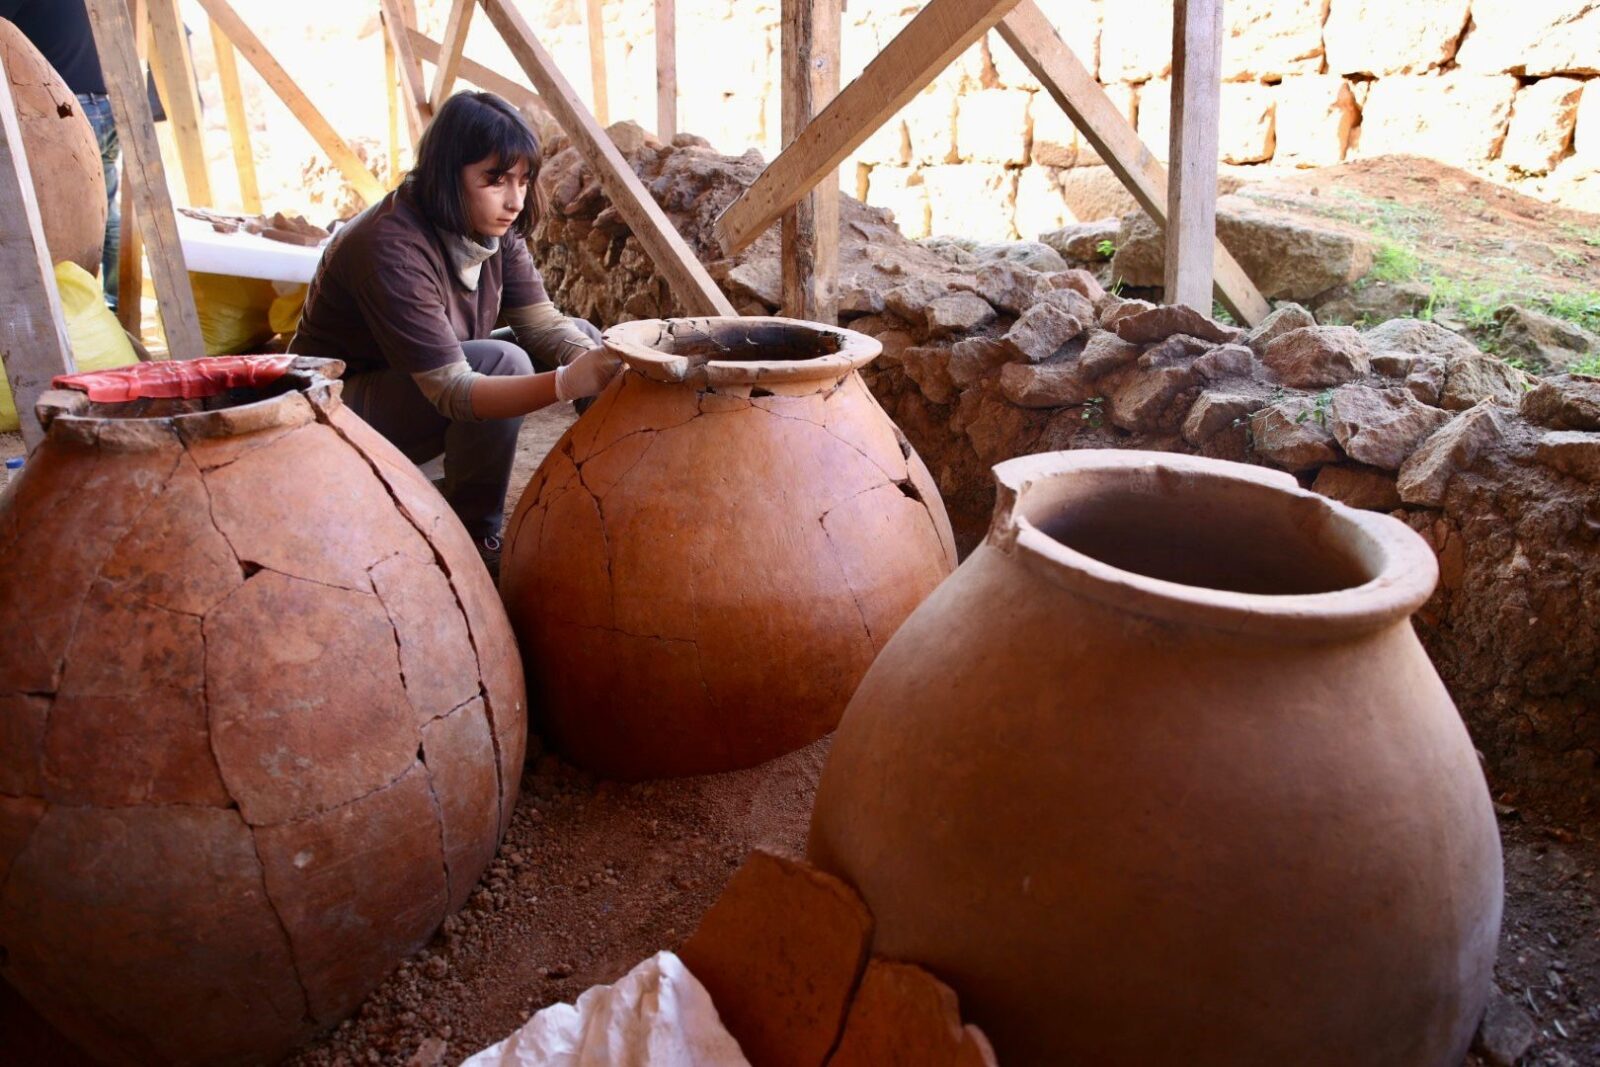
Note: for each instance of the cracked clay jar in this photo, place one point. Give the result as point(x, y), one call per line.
point(706, 564)
point(261, 717)
point(1162, 775)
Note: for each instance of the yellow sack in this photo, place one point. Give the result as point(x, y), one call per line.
point(94, 333)
point(284, 316)
point(233, 312)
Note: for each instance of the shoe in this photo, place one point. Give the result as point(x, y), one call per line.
point(489, 552)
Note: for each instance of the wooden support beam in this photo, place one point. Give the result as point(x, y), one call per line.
point(515, 93)
point(666, 70)
point(939, 33)
point(33, 334)
point(449, 62)
point(1035, 41)
point(142, 169)
point(367, 187)
point(597, 62)
point(391, 92)
point(1194, 138)
point(173, 67)
point(244, 160)
point(130, 248)
point(413, 91)
point(649, 224)
point(809, 42)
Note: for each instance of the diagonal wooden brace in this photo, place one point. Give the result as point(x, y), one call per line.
point(650, 225)
point(929, 43)
point(1036, 43)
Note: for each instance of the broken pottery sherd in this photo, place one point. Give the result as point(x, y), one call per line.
point(261, 716)
point(708, 561)
point(1163, 775)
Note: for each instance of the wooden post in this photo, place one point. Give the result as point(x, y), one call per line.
point(391, 92)
point(810, 232)
point(455, 39)
point(173, 66)
point(597, 62)
point(666, 247)
point(666, 70)
point(367, 187)
point(130, 249)
point(939, 33)
point(142, 169)
point(1192, 185)
point(515, 93)
point(413, 93)
point(33, 335)
point(244, 160)
point(1035, 41)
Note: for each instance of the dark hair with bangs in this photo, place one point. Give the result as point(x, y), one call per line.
point(469, 128)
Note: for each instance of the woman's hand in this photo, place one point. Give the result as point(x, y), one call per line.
point(587, 374)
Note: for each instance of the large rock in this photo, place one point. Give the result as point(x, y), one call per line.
point(1506, 1032)
point(1010, 286)
point(1512, 36)
point(1293, 434)
point(1040, 332)
point(1469, 379)
point(1571, 452)
point(1051, 385)
point(1426, 475)
point(1269, 39)
point(1457, 117)
point(1381, 427)
point(1215, 410)
point(1315, 357)
point(1542, 121)
point(1035, 255)
point(973, 358)
point(1370, 300)
point(1106, 352)
point(1358, 486)
point(1279, 322)
point(1153, 400)
point(1377, 37)
point(1085, 242)
point(1543, 341)
point(1564, 403)
point(1288, 258)
point(1160, 323)
point(1225, 361)
point(1316, 115)
point(1416, 337)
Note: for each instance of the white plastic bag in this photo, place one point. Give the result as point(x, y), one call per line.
point(656, 1015)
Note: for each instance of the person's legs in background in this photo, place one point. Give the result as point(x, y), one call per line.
point(97, 109)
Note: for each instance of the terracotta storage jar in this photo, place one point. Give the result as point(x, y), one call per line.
point(261, 715)
point(1163, 776)
point(705, 565)
point(63, 154)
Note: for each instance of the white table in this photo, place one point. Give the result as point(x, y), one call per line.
point(245, 255)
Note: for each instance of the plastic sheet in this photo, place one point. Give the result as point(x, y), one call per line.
point(188, 379)
point(657, 1015)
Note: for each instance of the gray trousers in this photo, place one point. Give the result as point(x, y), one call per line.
point(477, 455)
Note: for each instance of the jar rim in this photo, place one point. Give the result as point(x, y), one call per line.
point(309, 384)
point(1399, 570)
point(682, 350)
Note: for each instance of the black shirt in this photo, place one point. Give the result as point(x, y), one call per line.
point(60, 30)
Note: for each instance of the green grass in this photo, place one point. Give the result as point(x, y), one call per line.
point(1105, 249)
point(1393, 262)
point(1586, 366)
point(1221, 314)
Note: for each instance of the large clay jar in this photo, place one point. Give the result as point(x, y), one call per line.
point(261, 718)
point(63, 155)
point(1163, 776)
point(705, 565)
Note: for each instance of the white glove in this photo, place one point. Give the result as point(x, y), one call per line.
point(587, 374)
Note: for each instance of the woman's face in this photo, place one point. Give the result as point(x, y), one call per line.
point(494, 197)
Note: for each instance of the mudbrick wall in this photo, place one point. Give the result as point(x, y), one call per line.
point(1505, 88)
point(1017, 350)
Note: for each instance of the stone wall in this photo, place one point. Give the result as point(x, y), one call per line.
point(1505, 88)
point(1015, 350)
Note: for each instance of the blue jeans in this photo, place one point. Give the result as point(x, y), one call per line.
point(98, 110)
